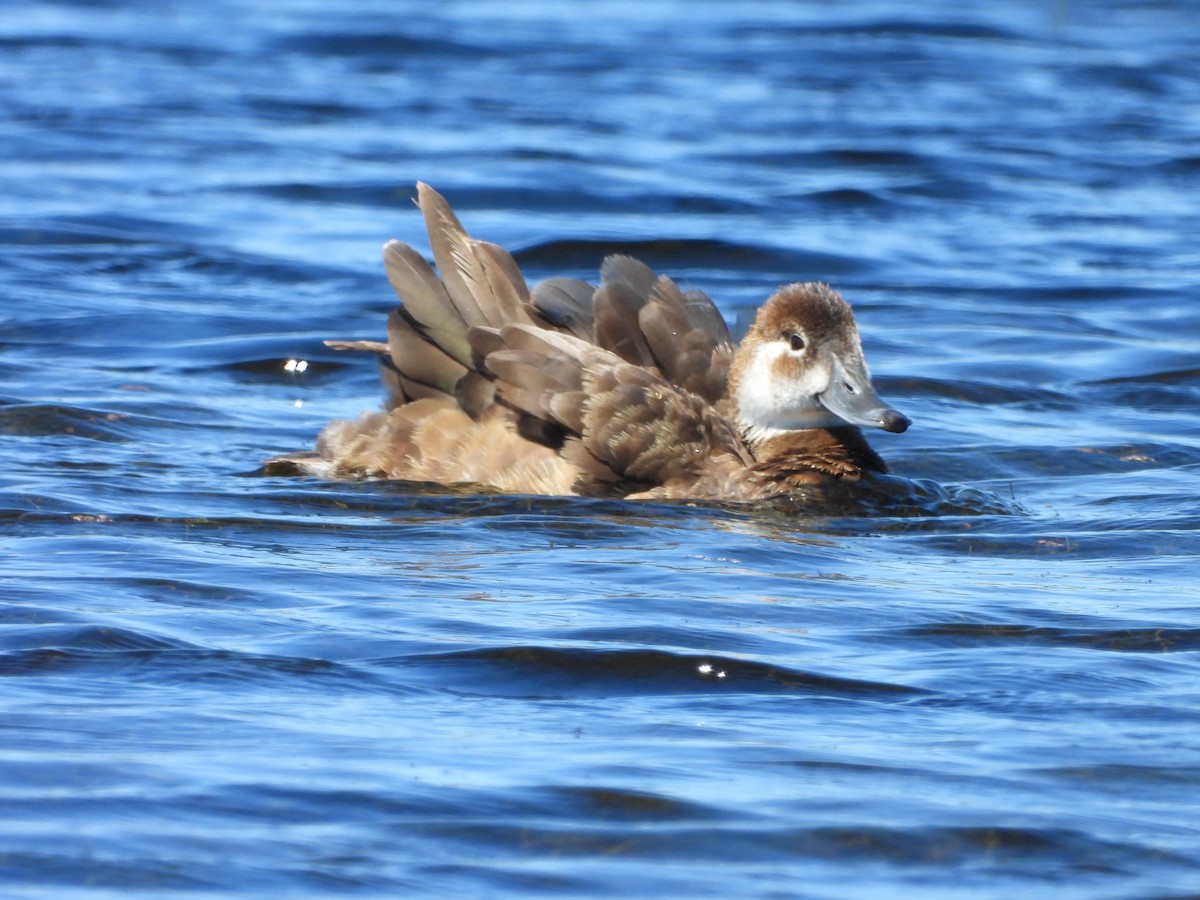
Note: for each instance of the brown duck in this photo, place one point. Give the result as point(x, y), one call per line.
point(632, 389)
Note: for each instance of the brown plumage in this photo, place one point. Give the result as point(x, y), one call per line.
point(633, 388)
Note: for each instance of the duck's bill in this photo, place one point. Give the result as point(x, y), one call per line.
point(855, 401)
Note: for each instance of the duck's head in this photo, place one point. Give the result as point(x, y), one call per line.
point(801, 366)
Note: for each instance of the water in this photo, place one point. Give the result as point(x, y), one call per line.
point(219, 682)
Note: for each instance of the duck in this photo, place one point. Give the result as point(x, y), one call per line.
point(633, 388)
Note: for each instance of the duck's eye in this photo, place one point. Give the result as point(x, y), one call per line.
point(796, 341)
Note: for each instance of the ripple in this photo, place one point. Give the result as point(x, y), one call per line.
point(683, 253)
point(48, 868)
point(91, 651)
point(1121, 640)
point(1176, 376)
point(1049, 852)
point(556, 672)
point(42, 420)
point(386, 195)
point(381, 46)
point(982, 393)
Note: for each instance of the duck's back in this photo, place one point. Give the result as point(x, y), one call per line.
point(566, 389)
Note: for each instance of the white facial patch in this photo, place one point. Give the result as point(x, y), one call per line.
point(770, 403)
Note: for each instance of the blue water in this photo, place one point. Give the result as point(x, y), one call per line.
point(221, 682)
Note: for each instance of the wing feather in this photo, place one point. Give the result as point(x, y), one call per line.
point(688, 338)
point(566, 304)
point(482, 280)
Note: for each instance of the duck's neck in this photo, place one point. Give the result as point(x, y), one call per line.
point(835, 452)
point(756, 435)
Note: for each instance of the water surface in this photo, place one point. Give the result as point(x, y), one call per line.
point(979, 684)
